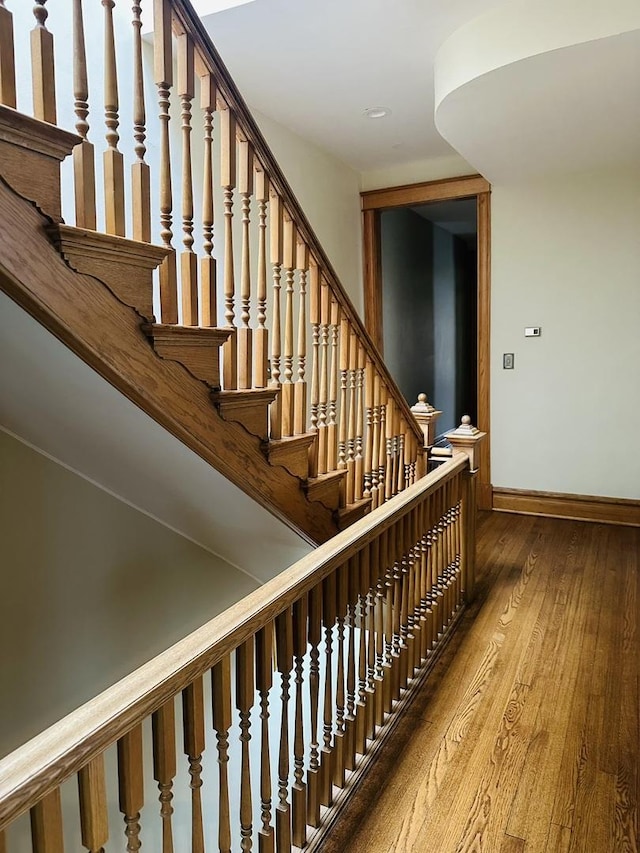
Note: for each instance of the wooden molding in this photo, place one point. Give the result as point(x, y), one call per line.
point(409, 194)
point(372, 272)
point(484, 344)
point(249, 408)
point(325, 488)
point(195, 347)
point(292, 453)
point(576, 507)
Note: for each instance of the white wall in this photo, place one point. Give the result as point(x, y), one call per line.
point(329, 193)
point(566, 256)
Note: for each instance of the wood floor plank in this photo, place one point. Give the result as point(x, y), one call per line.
point(528, 740)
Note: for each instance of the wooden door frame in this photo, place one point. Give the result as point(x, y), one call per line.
point(469, 186)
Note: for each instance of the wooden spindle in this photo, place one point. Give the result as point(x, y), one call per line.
point(412, 625)
point(7, 59)
point(164, 766)
point(46, 824)
point(193, 744)
point(245, 341)
point(389, 483)
point(300, 391)
point(370, 562)
point(83, 154)
point(244, 702)
point(314, 319)
point(188, 258)
point(131, 785)
point(163, 77)
point(323, 400)
point(313, 774)
point(140, 172)
point(221, 696)
point(43, 66)
point(228, 183)
point(328, 618)
point(368, 489)
point(276, 254)
point(332, 413)
point(353, 417)
point(383, 449)
point(402, 472)
point(377, 473)
point(339, 736)
point(208, 281)
point(284, 658)
point(359, 467)
point(289, 263)
point(261, 335)
point(380, 590)
point(113, 161)
point(360, 573)
point(299, 790)
point(344, 341)
point(264, 681)
point(92, 794)
point(390, 656)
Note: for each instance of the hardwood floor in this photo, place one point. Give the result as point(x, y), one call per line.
point(526, 738)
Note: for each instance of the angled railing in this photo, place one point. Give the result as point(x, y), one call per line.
point(184, 162)
point(275, 706)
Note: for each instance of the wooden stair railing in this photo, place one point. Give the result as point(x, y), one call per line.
point(331, 650)
point(298, 368)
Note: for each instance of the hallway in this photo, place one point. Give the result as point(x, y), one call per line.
point(526, 738)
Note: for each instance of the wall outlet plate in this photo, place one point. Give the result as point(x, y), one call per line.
point(508, 360)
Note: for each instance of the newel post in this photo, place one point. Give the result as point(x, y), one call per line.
point(467, 439)
point(427, 416)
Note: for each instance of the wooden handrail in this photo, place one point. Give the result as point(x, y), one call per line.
point(31, 772)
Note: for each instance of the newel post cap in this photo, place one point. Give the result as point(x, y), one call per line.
point(426, 416)
point(467, 439)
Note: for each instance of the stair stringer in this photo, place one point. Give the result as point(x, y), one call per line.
point(83, 313)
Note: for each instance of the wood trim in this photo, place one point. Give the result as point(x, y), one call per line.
point(44, 762)
point(443, 190)
point(484, 345)
point(576, 507)
point(373, 277)
point(373, 202)
point(210, 59)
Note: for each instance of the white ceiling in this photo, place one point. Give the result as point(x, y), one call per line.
point(316, 65)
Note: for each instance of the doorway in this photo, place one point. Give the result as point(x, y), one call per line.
point(427, 296)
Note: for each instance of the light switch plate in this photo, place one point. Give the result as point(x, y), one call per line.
point(508, 360)
point(533, 331)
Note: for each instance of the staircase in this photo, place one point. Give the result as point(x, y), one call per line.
point(287, 396)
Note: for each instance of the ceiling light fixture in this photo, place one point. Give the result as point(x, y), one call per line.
point(377, 112)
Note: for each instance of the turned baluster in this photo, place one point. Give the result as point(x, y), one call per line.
point(401, 482)
point(163, 78)
point(352, 572)
point(244, 703)
point(359, 467)
point(164, 766)
point(325, 317)
point(342, 582)
point(94, 820)
point(245, 335)
point(188, 258)
point(389, 485)
point(313, 773)
point(284, 659)
point(418, 615)
point(390, 658)
point(328, 618)
point(300, 391)
point(299, 790)
point(276, 254)
point(395, 579)
point(314, 318)
point(344, 412)
point(83, 154)
point(332, 423)
point(261, 335)
point(425, 600)
point(193, 730)
point(380, 592)
point(369, 439)
point(131, 785)
point(140, 173)
point(113, 161)
point(264, 681)
point(363, 694)
point(353, 417)
point(413, 624)
point(208, 281)
point(289, 263)
point(221, 698)
point(381, 396)
point(47, 834)
point(42, 66)
point(228, 182)
point(7, 63)
point(371, 562)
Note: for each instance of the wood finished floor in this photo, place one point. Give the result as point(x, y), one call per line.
point(526, 738)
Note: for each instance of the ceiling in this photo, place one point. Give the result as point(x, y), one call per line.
point(554, 87)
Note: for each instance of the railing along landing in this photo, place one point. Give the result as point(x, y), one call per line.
point(193, 173)
point(255, 726)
